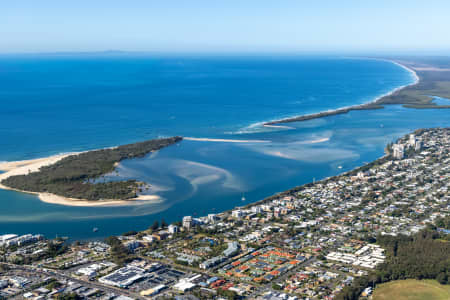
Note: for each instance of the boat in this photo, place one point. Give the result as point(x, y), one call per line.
point(243, 198)
point(339, 167)
point(95, 229)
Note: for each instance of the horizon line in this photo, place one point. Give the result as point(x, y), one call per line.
point(261, 52)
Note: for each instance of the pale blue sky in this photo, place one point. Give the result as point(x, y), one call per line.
point(226, 25)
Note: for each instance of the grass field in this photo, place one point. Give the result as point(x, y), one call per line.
point(412, 289)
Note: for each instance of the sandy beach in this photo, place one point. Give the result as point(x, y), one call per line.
point(374, 104)
point(278, 126)
point(55, 199)
point(432, 69)
point(23, 167)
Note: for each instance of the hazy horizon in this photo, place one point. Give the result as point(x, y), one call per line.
point(199, 26)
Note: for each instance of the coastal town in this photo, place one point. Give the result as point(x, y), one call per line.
point(310, 242)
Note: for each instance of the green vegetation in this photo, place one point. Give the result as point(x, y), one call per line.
point(55, 248)
point(276, 286)
point(227, 294)
point(53, 284)
point(155, 225)
point(443, 223)
point(119, 252)
point(69, 296)
point(74, 176)
point(412, 289)
point(422, 256)
point(434, 82)
point(131, 232)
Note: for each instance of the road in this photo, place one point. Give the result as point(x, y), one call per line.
point(61, 276)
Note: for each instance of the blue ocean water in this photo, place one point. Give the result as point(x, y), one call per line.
point(441, 101)
point(54, 104)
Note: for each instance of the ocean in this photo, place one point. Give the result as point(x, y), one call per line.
point(62, 103)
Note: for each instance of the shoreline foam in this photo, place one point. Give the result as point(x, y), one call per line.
point(374, 104)
point(223, 140)
point(26, 166)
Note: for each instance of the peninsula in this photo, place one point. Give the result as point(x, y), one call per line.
point(432, 80)
point(381, 229)
point(73, 176)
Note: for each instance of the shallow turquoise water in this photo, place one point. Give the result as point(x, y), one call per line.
point(54, 104)
point(441, 101)
point(72, 103)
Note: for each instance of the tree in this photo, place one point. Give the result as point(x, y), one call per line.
point(55, 248)
point(421, 256)
point(119, 252)
point(74, 176)
point(53, 285)
point(442, 278)
point(69, 296)
point(155, 225)
point(228, 294)
point(276, 286)
point(163, 223)
point(128, 233)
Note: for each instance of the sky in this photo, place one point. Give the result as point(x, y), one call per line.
point(224, 26)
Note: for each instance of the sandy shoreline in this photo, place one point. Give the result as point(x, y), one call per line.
point(374, 104)
point(278, 126)
point(24, 167)
point(55, 199)
point(32, 165)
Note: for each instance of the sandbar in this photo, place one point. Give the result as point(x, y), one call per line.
point(377, 103)
point(55, 199)
point(24, 167)
point(224, 140)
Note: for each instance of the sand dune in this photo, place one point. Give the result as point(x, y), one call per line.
point(24, 167)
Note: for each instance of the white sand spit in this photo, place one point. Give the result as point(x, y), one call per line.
point(24, 167)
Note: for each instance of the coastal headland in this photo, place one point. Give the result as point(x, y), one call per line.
point(72, 179)
point(432, 79)
point(75, 178)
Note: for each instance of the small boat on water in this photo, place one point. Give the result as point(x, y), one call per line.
point(243, 198)
point(339, 167)
point(95, 229)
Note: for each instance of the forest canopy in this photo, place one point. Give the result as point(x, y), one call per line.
point(72, 176)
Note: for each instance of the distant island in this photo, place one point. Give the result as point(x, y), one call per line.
point(432, 80)
point(73, 176)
